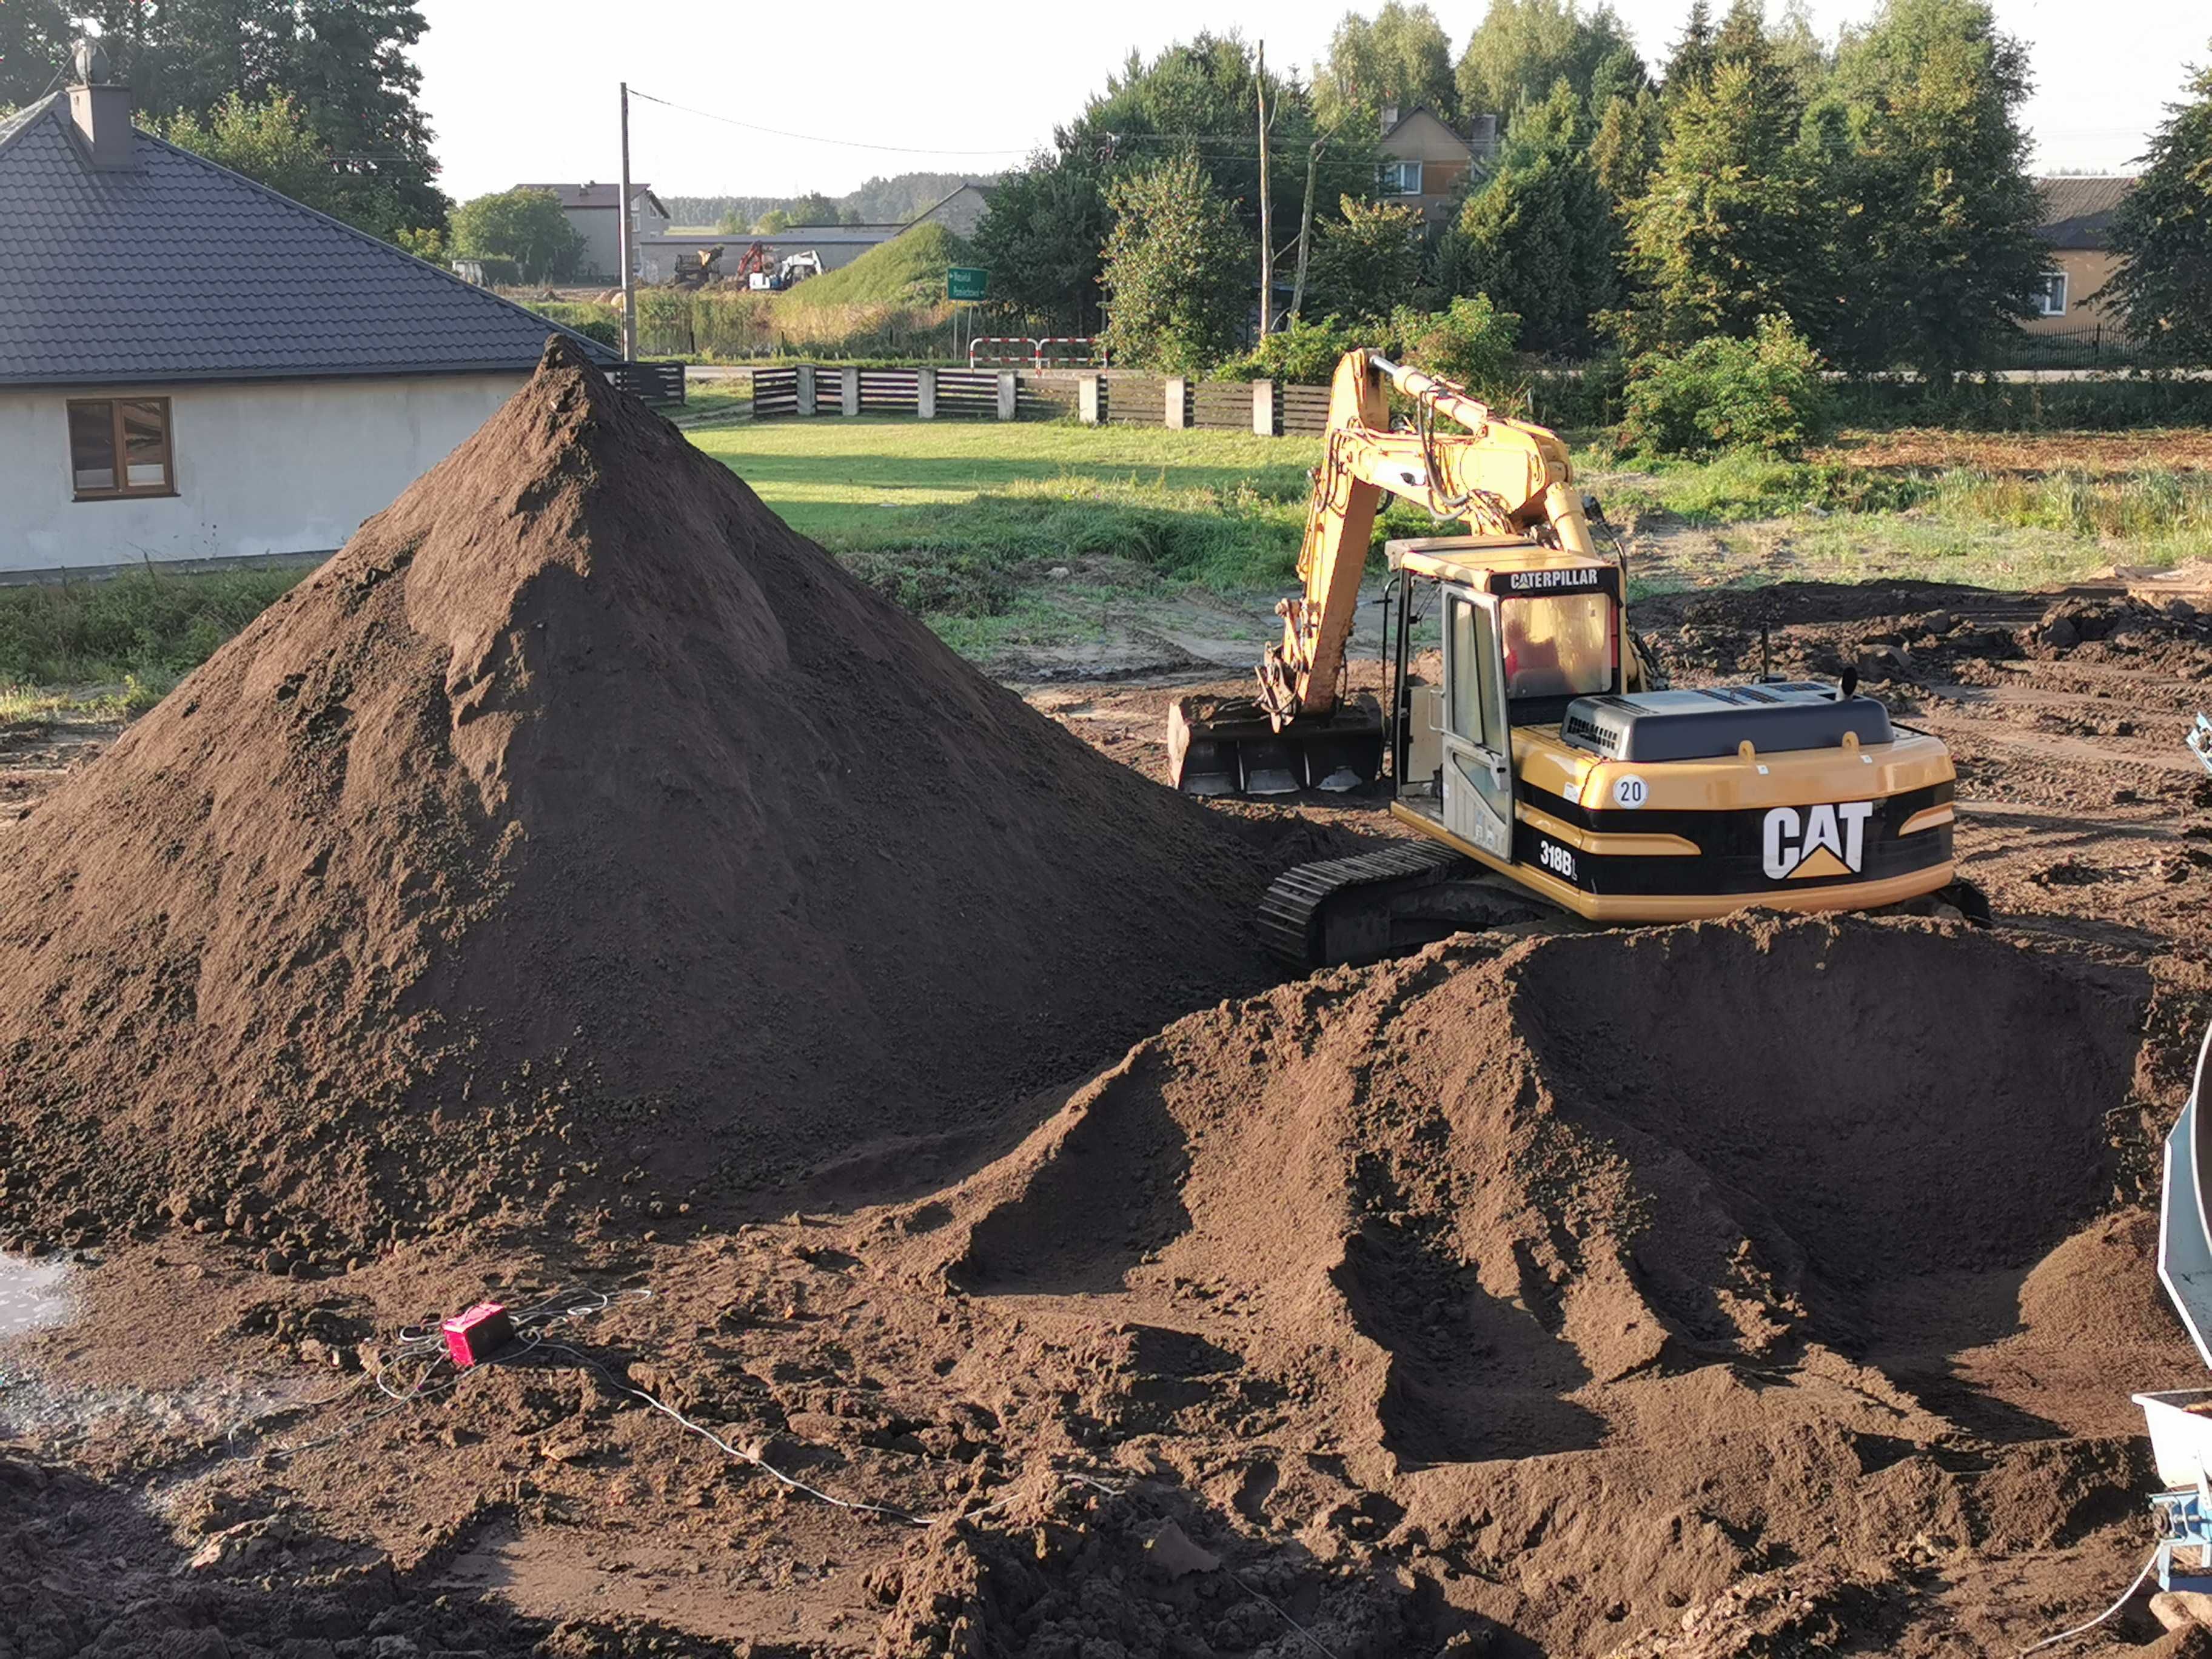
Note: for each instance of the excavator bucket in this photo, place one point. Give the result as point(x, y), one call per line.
point(1228, 746)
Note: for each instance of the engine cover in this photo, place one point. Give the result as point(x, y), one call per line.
point(1773, 716)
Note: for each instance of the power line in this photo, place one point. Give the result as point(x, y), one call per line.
point(816, 138)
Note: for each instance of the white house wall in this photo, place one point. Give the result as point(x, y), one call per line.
point(260, 467)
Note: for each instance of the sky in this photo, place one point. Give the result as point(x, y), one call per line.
point(519, 93)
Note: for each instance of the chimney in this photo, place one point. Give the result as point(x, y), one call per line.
point(101, 111)
point(1389, 118)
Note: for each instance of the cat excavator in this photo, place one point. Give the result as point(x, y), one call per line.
point(1539, 757)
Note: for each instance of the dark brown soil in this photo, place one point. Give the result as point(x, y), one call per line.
point(579, 839)
point(1761, 1287)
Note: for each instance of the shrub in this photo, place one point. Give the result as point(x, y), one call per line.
point(1470, 341)
point(1765, 393)
point(1306, 352)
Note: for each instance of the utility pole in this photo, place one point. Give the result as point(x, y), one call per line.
point(1267, 215)
point(1305, 228)
point(622, 240)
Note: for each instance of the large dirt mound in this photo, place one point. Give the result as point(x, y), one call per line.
point(578, 825)
point(1686, 1236)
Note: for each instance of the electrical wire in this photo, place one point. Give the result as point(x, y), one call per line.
point(2083, 1630)
point(817, 138)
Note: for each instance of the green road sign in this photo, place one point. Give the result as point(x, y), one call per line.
point(967, 282)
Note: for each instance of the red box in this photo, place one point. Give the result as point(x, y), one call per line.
point(475, 1336)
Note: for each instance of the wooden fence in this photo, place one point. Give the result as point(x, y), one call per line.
point(1097, 397)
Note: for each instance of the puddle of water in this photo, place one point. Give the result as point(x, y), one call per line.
point(32, 1294)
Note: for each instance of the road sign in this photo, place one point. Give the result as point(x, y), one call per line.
point(967, 282)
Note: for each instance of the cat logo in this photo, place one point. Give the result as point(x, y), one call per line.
point(1799, 843)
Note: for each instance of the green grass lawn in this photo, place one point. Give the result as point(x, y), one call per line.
point(1031, 532)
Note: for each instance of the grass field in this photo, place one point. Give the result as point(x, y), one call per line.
point(1028, 533)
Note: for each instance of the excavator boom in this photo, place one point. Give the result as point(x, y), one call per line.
point(1500, 476)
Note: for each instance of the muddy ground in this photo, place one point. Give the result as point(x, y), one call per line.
point(1120, 1399)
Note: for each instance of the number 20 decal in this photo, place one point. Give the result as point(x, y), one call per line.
point(1630, 791)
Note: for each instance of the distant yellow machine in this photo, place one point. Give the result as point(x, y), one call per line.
point(1547, 764)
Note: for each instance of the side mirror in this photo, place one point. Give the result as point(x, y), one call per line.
point(1849, 686)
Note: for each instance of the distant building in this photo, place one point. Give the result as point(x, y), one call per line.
point(590, 210)
point(1428, 161)
point(193, 367)
point(2077, 227)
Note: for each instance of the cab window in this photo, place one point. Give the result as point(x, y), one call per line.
point(1560, 646)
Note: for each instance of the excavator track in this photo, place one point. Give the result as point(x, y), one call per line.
point(1378, 904)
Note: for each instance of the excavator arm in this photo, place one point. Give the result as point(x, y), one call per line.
point(1502, 477)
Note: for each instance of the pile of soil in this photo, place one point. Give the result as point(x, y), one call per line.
point(1607, 1271)
point(579, 835)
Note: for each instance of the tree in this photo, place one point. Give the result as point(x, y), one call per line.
point(345, 64)
point(814, 208)
point(2164, 232)
point(34, 42)
point(1521, 47)
point(1734, 226)
point(1043, 238)
point(1400, 57)
point(1938, 213)
point(272, 144)
point(1540, 236)
point(774, 222)
point(526, 226)
point(1367, 264)
point(1690, 65)
point(1176, 265)
point(1625, 148)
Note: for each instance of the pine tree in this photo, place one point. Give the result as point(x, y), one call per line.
point(1625, 148)
point(1690, 65)
point(1539, 237)
point(2164, 232)
point(1367, 262)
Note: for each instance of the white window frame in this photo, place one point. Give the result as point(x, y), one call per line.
point(2053, 288)
point(1393, 177)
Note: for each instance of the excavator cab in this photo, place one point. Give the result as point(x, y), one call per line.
point(1525, 630)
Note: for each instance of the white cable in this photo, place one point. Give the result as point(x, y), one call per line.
point(2083, 1630)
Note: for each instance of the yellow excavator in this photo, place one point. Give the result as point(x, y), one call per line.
point(1545, 765)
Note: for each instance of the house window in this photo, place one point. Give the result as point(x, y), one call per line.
point(120, 446)
point(1399, 178)
point(2050, 295)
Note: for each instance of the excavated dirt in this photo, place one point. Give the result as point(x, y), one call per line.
point(578, 839)
point(1761, 1287)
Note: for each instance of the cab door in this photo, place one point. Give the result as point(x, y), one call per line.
point(1477, 748)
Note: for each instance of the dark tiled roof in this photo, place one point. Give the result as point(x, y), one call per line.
point(180, 269)
point(2077, 213)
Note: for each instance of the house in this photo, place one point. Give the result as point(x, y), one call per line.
point(1427, 161)
point(193, 367)
point(592, 216)
point(2077, 227)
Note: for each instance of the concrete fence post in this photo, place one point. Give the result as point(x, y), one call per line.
point(1010, 386)
point(924, 393)
point(804, 389)
point(1178, 402)
point(1090, 399)
point(1264, 423)
point(848, 391)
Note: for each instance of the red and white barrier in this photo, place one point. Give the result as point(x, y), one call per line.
point(994, 350)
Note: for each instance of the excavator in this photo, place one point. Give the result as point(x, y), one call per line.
point(1543, 765)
